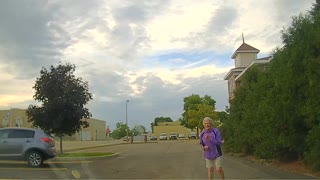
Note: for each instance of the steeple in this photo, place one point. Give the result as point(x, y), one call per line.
point(245, 54)
point(242, 39)
point(245, 48)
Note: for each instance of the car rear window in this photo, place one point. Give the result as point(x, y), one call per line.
point(4, 133)
point(21, 133)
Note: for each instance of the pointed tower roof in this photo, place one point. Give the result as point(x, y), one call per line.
point(244, 48)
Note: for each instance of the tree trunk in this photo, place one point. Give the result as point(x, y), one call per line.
point(61, 151)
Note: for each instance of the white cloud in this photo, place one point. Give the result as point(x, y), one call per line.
point(178, 22)
point(154, 53)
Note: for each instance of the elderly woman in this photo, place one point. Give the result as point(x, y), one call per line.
point(210, 139)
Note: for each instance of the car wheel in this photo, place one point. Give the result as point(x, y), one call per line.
point(34, 158)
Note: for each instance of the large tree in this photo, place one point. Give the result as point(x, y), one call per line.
point(138, 130)
point(196, 108)
point(275, 112)
point(63, 98)
point(120, 131)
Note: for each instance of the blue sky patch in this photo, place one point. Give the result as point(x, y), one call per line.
point(187, 60)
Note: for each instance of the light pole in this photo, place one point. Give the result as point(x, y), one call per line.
point(127, 120)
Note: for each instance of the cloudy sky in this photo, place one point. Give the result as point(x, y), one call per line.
point(152, 53)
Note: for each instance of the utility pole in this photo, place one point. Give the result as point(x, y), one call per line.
point(127, 120)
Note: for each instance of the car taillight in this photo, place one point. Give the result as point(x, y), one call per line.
point(47, 140)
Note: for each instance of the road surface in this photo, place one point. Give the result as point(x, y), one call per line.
point(162, 160)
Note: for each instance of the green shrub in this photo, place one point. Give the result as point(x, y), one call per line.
point(312, 155)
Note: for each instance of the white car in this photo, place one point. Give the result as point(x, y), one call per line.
point(193, 135)
point(181, 136)
point(163, 136)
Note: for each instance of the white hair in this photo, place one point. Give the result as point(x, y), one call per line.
point(207, 119)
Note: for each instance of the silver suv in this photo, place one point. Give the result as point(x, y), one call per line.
point(32, 145)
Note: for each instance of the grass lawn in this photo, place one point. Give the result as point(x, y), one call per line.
point(85, 154)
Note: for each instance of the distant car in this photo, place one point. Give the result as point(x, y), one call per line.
point(173, 136)
point(126, 138)
point(153, 138)
point(193, 135)
point(181, 136)
point(32, 145)
point(163, 136)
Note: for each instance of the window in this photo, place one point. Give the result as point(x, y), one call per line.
point(17, 133)
point(4, 134)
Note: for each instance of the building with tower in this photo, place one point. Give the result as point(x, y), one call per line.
point(244, 58)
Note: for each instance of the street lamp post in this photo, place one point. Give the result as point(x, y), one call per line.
point(127, 120)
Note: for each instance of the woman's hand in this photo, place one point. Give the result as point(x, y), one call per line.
point(206, 148)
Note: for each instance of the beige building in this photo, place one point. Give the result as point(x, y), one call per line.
point(244, 58)
point(18, 118)
point(168, 127)
point(14, 118)
point(95, 132)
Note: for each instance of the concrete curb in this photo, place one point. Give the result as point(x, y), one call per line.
point(71, 149)
point(57, 159)
point(78, 147)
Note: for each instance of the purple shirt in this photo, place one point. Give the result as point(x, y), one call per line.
point(211, 139)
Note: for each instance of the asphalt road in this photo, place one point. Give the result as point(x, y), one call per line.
point(162, 160)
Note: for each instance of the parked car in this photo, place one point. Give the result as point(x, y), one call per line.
point(126, 138)
point(181, 136)
point(193, 135)
point(173, 136)
point(32, 145)
point(153, 138)
point(163, 136)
